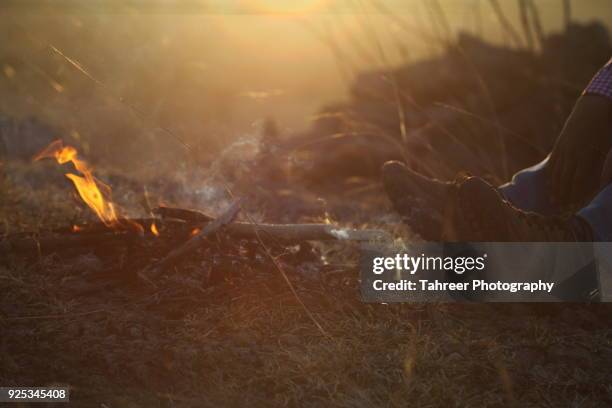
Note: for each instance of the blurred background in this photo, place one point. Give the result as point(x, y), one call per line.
point(131, 82)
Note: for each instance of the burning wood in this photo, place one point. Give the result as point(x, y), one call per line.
point(177, 232)
point(92, 234)
point(86, 185)
point(92, 191)
point(194, 242)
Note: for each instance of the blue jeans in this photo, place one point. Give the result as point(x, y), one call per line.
point(529, 190)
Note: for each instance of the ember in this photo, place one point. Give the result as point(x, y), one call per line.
point(154, 230)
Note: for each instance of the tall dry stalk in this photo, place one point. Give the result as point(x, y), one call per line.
point(524, 17)
point(505, 23)
point(534, 12)
point(567, 13)
point(477, 12)
point(440, 14)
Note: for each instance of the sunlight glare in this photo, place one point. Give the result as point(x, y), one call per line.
point(291, 7)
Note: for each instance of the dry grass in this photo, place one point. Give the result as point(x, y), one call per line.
point(247, 341)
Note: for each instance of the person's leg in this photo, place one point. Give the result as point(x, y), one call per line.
point(482, 214)
point(483, 205)
point(599, 215)
point(529, 190)
point(421, 200)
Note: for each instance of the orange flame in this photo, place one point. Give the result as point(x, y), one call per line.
point(195, 232)
point(87, 185)
point(154, 230)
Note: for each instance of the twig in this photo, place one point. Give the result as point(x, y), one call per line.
point(181, 214)
point(174, 256)
point(280, 232)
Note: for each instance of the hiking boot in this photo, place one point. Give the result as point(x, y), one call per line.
point(418, 199)
point(480, 214)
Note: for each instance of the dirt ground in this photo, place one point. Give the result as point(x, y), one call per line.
point(246, 340)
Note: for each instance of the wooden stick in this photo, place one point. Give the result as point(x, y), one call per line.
point(281, 232)
point(181, 214)
point(179, 221)
point(157, 268)
point(303, 232)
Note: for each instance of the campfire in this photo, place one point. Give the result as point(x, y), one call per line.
point(151, 247)
point(86, 184)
